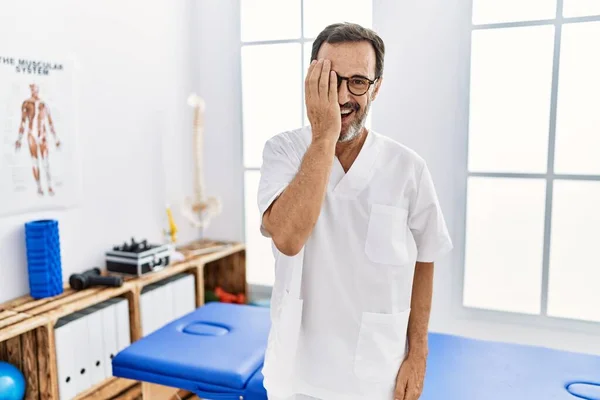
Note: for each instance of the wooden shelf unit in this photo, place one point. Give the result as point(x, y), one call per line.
point(27, 325)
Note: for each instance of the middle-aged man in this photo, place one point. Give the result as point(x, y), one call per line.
point(356, 227)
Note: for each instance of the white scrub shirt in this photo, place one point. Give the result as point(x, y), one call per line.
point(340, 307)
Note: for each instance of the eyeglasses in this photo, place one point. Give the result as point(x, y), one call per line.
point(357, 85)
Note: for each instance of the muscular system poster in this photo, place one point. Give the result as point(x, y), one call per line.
point(39, 164)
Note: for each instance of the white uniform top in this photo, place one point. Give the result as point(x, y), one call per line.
point(340, 307)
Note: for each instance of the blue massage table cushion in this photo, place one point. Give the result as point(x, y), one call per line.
point(216, 352)
point(460, 368)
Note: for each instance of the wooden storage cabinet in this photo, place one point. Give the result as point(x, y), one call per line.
point(27, 326)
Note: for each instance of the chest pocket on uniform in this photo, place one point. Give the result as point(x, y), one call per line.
point(387, 231)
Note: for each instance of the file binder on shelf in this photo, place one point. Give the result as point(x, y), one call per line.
point(65, 358)
point(95, 343)
point(111, 343)
point(121, 308)
point(147, 309)
point(79, 337)
point(184, 290)
point(167, 300)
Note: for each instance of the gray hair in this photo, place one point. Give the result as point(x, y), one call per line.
point(351, 32)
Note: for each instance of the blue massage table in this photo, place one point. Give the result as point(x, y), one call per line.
point(217, 352)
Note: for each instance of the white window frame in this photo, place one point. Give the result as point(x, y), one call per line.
point(257, 290)
point(542, 320)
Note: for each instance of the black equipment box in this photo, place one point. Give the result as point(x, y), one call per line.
point(138, 258)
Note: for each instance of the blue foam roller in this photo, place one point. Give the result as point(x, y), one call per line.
point(44, 265)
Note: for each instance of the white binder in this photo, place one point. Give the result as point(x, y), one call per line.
point(166, 307)
point(148, 312)
point(159, 299)
point(82, 357)
point(109, 332)
point(170, 287)
point(173, 288)
point(189, 295)
point(95, 345)
point(122, 323)
point(167, 300)
point(65, 358)
point(184, 291)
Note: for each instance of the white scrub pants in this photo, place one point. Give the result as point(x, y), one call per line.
point(294, 397)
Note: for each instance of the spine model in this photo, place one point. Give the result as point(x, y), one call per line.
point(201, 209)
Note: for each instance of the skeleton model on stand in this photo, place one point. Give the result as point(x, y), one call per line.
point(199, 210)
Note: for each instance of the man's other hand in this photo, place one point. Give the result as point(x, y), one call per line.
point(409, 383)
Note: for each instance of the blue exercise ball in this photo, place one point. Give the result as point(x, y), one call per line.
point(12, 382)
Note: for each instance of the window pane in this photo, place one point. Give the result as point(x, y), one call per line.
point(306, 64)
point(578, 109)
point(574, 273)
point(495, 11)
point(260, 262)
point(257, 21)
point(581, 8)
point(271, 95)
point(307, 54)
point(504, 244)
point(318, 14)
point(511, 81)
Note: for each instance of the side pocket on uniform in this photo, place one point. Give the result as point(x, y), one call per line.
point(381, 346)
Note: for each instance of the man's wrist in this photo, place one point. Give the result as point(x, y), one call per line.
point(324, 143)
point(418, 350)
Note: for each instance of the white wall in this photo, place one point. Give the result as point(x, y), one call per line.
point(216, 65)
point(136, 74)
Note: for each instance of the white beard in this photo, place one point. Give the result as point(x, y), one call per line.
point(352, 132)
point(356, 127)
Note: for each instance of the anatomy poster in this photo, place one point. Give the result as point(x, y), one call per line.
point(39, 164)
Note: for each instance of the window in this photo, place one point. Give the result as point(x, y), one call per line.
point(276, 40)
point(533, 182)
